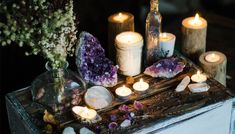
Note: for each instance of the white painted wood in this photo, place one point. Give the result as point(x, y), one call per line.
point(213, 119)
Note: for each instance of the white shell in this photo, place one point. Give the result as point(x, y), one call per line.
point(98, 97)
point(198, 87)
point(183, 84)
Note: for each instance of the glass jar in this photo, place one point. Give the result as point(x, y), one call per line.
point(58, 89)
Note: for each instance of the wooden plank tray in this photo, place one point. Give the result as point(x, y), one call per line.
point(161, 102)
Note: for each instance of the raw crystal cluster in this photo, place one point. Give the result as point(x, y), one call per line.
point(166, 68)
point(94, 67)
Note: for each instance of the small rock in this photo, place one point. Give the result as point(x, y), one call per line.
point(125, 123)
point(183, 84)
point(199, 87)
point(85, 130)
point(69, 130)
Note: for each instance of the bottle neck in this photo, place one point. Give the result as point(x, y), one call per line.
point(154, 5)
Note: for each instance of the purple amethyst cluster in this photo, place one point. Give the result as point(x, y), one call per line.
point(166, 68)
point(92, 63)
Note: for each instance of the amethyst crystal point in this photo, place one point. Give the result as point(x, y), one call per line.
point(92, 63)
point(167, 68)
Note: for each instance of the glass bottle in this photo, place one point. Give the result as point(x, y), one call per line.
point(152, 33)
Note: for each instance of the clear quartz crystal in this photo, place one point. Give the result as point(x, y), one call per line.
point(153, 29)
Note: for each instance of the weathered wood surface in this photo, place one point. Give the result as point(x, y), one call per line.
point(161, 103)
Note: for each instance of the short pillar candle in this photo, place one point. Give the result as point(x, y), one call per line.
point(117, 23)
point(214, 63)
point(194, 37)
point(167, 44)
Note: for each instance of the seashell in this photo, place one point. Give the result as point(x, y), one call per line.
point(198, 87)
point(98, 97)
point(183, 84)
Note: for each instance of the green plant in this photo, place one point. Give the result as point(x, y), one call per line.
point(46, 26)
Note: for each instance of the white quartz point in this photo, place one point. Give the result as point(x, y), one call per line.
point(125, 123)
point(183, 84)
point(69, 130)
point(85, 130)
point(198, 87)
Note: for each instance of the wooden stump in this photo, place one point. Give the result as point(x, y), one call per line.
point(114, 28)
point(193, 38)
point(216, 70)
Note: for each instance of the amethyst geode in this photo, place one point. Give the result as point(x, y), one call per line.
point(94, 67)
point(166, 68)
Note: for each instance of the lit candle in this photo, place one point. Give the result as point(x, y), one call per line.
point(212, 57)
point(141, 86)
point(167, 43)
point(123, 91)
point(214, 64)
point(120, 17)
point(129, 52)
point(117, 23)
point(84, 112)
point(194, 37)
point(199, 77)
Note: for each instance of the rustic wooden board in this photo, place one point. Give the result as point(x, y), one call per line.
point(160, 103)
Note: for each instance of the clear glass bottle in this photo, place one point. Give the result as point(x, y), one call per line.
point(152, 33)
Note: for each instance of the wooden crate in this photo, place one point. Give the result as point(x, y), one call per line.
point(161, 103)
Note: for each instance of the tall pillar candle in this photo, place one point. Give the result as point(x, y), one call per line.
point(214, 64)
point(117, 23)
point(167, 44)
point(194, 37)
point(129, 53)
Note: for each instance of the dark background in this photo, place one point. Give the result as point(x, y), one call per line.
point(18, 71)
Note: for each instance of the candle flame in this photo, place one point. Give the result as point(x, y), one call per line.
point(119, 14)
point(196, 18)
point(196, 21)
point(213, 55)
point(141, 80)
point(198, 72)
point(164, 35)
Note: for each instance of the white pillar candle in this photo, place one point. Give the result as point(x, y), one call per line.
point(167, 44)
point(194, 37)
point(84, 112)
point(141, 86)
point(123, 91)
point(199, 77)
point(214, 63)
point(129, 53)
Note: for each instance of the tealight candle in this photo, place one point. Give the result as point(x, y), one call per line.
point(212, 57)
point(129, 52)
point(194, 37)
point(117, 23)
point(84, 112)
point(199, 77)
point(141, 86)
point(123, 91)
point(167, 43)
point(214, 63)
